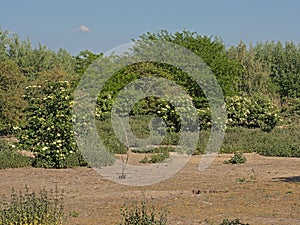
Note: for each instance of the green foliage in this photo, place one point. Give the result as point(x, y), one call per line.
point(11, 103)
point(83, 60)
point(238, 158)
point(212, 52)
point(48, 131)
point(4, 145)
point(11, 158)
point(30, 208)
point(284, 63)
point(35, 61)
point(150, 105)
point(22, 65)
point(251, 112)
point(290, 111)
point(255, 76)
point(159, 157)
point(142, 215)
point(281, 141)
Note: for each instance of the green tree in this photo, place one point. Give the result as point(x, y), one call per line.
point(83, 60)
point(284, 62)
point(12, 84)
point(211, 50)
point(33, 61)
point(255, 77)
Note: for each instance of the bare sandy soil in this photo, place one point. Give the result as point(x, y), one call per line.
point(264, 190)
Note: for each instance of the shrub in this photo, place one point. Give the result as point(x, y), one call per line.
point(237, 158)
point(142, 215)
point(49, 131)
point(30, 208)
point(251, 112)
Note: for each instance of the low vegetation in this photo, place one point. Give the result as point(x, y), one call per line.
point(12, 158)
point(142, 214)
point(237, 158)
point(32, 208)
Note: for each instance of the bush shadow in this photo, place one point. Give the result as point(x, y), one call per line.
point(292, 179)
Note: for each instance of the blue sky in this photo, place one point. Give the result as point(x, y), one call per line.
point(102, 25)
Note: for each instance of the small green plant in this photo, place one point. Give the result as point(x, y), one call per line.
point(253, 175)
point(233, 222)
point(73, 214)
point(30, 208)
point(142, 215)
point(241, 180)
point(236, 159)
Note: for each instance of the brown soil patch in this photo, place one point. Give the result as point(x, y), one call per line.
point(264, 190)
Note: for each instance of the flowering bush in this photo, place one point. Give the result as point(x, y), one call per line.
point(251, 112)
point(48, 131)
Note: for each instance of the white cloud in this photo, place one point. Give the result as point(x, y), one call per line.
point(82, 28)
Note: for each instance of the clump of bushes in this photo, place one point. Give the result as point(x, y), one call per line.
point(141, 214)
point(237, 158)
point(31, 208)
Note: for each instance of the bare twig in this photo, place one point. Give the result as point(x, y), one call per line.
point(125, 161)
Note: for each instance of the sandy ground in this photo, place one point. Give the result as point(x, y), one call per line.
point(264, 190)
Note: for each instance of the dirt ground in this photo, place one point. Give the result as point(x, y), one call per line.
point(264, 190)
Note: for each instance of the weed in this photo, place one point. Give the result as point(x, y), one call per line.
point(253, 175)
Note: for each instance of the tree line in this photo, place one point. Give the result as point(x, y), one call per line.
point(270, 69)
point(259, 82)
